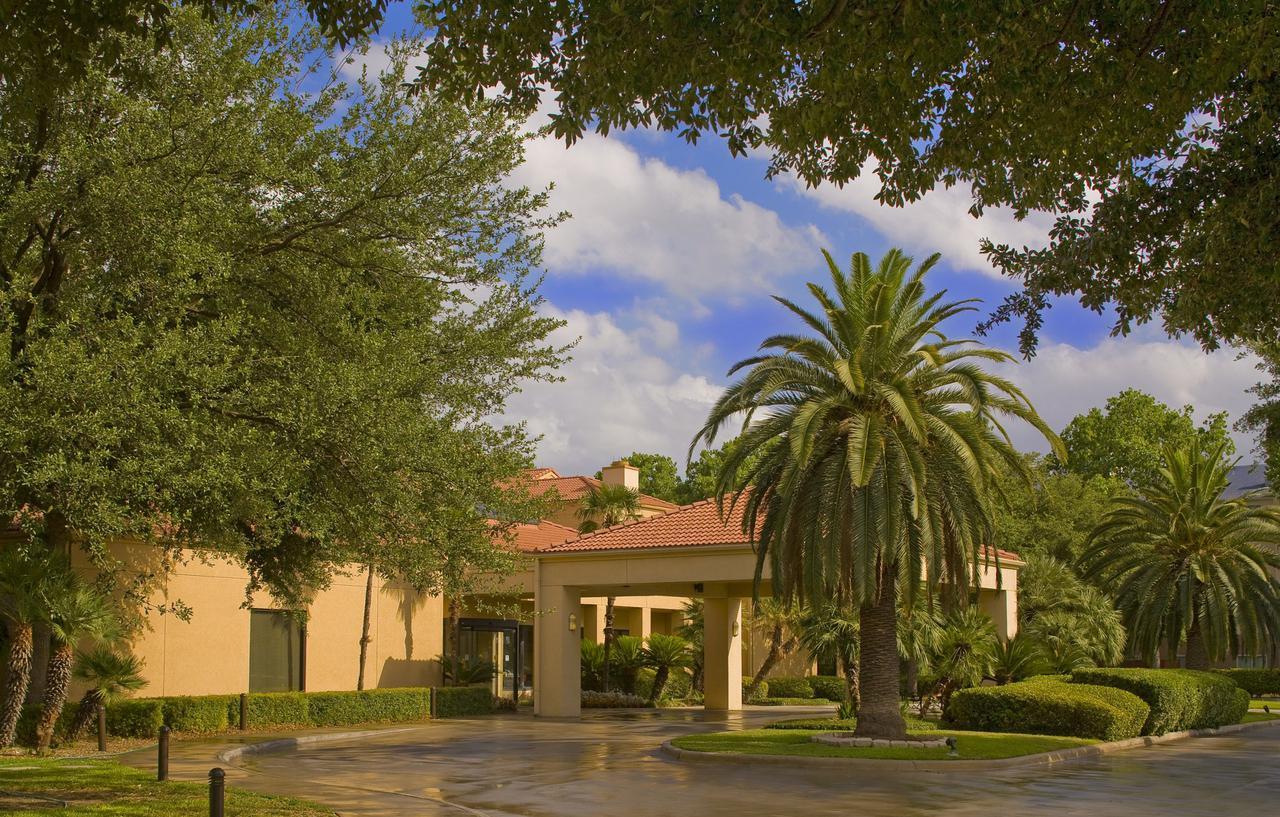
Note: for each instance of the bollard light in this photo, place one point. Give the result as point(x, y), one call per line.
point(217, 792)
point(953, 747)
point(162, 761)
point(102, 728)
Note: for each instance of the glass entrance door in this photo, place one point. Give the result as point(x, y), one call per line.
point(505, 645)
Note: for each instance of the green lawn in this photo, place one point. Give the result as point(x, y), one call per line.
point(1255, 717)
point(104, 788)
point(847, 725)
point(1258, 703)
point(795, 742)
point(793, 702)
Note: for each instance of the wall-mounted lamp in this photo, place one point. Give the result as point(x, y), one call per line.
point(736, 628)
point(573, 622)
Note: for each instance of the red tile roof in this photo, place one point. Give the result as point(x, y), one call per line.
point(531, 537)
point(541, 473)
point(571, 489)
point(696, 525)
point(687, 526)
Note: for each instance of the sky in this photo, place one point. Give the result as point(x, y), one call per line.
point(664, 272)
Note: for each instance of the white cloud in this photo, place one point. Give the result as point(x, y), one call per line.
point(938, 222)
point(1064, 380)
point(617, 396)
point(642, 219)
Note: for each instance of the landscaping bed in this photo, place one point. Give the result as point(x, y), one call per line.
point(797, 743)
point(97, 788)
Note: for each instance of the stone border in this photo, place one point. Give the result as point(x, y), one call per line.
point(847, 739)
point(235, 753)
point(1042, 759)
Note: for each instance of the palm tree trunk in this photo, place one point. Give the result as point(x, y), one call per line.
point(851, 687)
point(1197, 653)
point(879, 716)
point(55, 693)
point(659, 683)
point(364, 628)
point(84, 713)
point(779, 646)
point(608, 637)
point(17, 678)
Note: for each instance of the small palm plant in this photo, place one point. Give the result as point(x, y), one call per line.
point(1186, 565)
point(964, 653)
point(625, 661)
point(77, 612)
point(110, 674)
point(664, 653)
point(467, 670)
point(693, 630)
point(592, 666)
point(1017, 658)
point(780, 621)
point(607, 505)
point(831, 631)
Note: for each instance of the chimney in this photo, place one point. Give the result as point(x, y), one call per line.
point(621, 472)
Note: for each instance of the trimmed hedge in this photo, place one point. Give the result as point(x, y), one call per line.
point(612, 700)
point(762, 691)
point(459, 702)
point(1179, 699)
point(1256, 682)
point(30, 716)
point(786, 687)
point(371, 706)
point(277, 709)
point(831, 687)
point(1049, 708)
point(200, 713)
point(135, 717)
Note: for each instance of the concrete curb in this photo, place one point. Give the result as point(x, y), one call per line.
point(235, 753)
point(1041, 759)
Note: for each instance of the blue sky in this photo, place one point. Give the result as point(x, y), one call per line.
point(665, 269)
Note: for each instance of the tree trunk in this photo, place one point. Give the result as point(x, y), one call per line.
point(779, 646)
point(659, 683)
point(17, 677)
point(879, 716)
point(55, 693)
point(1197, 654)
point(608, 637)
point(364, 628)
point(84, 713)
point(851, 687)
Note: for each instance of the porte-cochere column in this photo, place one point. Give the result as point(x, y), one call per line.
point(722, 654)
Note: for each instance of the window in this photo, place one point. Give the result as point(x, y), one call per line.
point(277, 652)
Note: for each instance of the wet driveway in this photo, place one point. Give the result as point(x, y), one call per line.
point(607, 766)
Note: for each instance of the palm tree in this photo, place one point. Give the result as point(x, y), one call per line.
point(605, 506)
point(109, 674)
point(1186, 565)
point(831, 631)
point(693, 630)
point(919, 633)
point(25, 580)
point(878, 439)
point(779, 620)
point(664, 653)
point(76, 612)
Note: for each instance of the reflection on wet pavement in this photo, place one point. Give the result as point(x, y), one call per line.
point(606, 766)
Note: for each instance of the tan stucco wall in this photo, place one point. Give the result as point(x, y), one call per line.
point(210, 653)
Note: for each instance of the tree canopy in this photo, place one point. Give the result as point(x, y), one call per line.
point(1053, 512)
point(658, 475)
point(266, 322)
point(1148, 127)
point(1125, 439)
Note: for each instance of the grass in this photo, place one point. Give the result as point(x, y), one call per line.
point(1258, 703)
point(792, 702)
point(104, 788)
point(796, 743)
point(1256, 717)
point(846, 725)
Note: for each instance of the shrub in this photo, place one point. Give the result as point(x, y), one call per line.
point(1179, 699)
point(26, 734)
point(278, 709)
point(460, 702)
point(644, 682)
point(135, 717)
point(199, 713)
point(1049, 708)
point(612, 700)
point(370, 706)
point(761, 692)
point(790, 688)
point(1257, 682)
point(831, 687)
